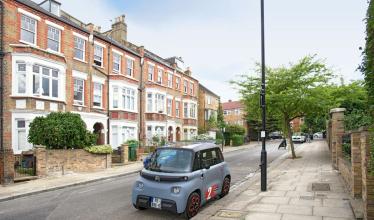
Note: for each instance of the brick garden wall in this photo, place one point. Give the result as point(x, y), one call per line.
point(49, 162)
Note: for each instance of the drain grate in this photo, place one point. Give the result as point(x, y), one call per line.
point(320, 187)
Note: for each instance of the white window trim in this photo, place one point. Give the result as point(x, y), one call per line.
point(120, 86)
point(84, 86)
point(84, 46)
point(102, 55)
point(117, 52)
point(59, 43)
point(97, 79)
point(31, 15)
point(130, 57)
point(36, 33)
point(80, 36)
point(54, 25)
point(120, 62)
point(100, 44)
point(80, 75)
point(151, 64)
point(93, 96)
point(161, 68)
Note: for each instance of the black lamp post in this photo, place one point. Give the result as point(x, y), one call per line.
point(263, 104)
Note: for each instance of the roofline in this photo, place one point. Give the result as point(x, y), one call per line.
point(208, 90)
point(35, 6)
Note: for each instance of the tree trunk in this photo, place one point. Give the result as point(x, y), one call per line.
point(289, 135)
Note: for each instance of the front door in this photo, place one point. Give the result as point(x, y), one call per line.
point(212, 173)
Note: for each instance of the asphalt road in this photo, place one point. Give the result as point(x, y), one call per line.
point(111, 199)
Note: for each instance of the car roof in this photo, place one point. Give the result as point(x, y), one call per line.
point(194, 147)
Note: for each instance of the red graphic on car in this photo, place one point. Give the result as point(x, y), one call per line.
point(211, 192)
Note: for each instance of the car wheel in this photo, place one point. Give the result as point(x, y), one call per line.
point(139, 208)
point(193, 205)
point(225, 187)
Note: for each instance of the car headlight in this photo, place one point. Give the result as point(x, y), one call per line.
point(139, 185)
point(176, 189)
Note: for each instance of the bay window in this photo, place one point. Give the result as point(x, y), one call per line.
point(149, 102)
point(185, 109)
point(130, 67)
point(128, 99)
point(98, 94)
point(177, 106)
point(79, 48)
point(28, 29)
point(116, 63)
point(21, 77)
point(45, 81)
point(78, 91)
point(169, 106)
point(128, 133)
point(54, 36)
point(115, 97)
point(98, 55)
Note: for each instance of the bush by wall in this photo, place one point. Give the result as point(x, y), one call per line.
point(60, 130)
point(237, 140)
point(99, 149)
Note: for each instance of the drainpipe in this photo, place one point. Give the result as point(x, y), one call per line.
point(141, 91)
point(2, 53)
point(108, 90)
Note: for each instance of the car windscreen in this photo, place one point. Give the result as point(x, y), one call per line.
point(171, 161)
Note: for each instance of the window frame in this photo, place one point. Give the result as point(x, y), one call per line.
point(119, 56)
point(96, 46)
point(41, 77)
point(76, 48)
point(95, 94)
point(169, 108)
point(151, 74)
point(185, 86)
point(77, 102)
point(18, 75)
point(49, 39)
point(170, 80)
point(160, 73)
point(177, 83)
point(129, 69)
point(177, 109)
point(24, 29)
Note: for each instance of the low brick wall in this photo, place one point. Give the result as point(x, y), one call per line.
point(51, 162)
point(345, 169)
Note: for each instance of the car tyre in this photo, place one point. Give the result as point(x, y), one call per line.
point(225, 187)
point(138, 207)
point(193, 205)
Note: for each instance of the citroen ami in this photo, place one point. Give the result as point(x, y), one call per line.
point(182, 179)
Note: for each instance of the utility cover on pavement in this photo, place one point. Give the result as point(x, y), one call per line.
point(320, 187)
point(230, 214)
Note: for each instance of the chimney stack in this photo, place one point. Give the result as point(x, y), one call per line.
point(119, 29)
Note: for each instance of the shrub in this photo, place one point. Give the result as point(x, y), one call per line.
point(234, 129)
point(219, 141)
point(219, 135)
point(133, 142)
point(60, 130)
point(99, 149)
point(237, 140)
point(203, 137)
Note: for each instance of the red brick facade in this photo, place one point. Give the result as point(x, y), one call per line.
point(39, 80)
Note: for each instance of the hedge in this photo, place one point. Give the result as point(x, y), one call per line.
point(99, 149)
point(60, 130)
point(237, 140)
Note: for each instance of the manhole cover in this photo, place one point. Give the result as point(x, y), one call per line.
point(230, 214)
point(320, 187)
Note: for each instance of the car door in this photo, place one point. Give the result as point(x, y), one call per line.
point(212, 174)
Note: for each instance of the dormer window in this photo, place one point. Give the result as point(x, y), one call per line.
point(51, 6)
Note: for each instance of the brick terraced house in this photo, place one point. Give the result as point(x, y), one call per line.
point(51, 61)
point(208, 106)
point(234, 113)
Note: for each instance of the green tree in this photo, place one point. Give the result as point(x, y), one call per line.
point(291, 91)
point(60, 130)
point(212, 122)
point(220, 119)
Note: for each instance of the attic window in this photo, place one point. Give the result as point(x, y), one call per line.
point(51, 6)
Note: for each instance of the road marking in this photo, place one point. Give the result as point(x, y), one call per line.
point(236, 185)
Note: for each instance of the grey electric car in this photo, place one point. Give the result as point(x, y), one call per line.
point(182, 179)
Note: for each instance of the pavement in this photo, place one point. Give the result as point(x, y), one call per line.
point(304, 188)
point(51, 183)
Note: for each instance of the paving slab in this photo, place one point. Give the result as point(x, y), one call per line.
point(263, 216)
point(300, 217)
point(332, 212)
point(293, 209)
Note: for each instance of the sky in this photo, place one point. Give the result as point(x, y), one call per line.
point(221, 39)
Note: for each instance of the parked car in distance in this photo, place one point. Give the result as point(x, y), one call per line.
point(299, 137)
point(182, 179)
point(318, 135)
point(275, 135)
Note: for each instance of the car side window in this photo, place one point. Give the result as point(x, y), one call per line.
point(196, 162)
point(220, 156)
point(210, 157)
